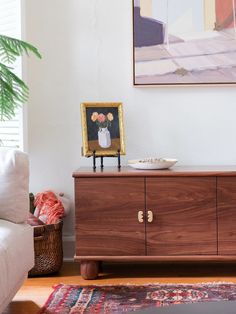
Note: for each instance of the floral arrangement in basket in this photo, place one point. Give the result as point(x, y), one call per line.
point(103, 122)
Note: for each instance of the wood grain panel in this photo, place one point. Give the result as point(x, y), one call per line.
point(226, 201)
point(107, 216)
point(160, 259)
point(177, 171)
point(184, 216)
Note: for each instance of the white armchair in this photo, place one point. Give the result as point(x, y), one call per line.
point(16, 237)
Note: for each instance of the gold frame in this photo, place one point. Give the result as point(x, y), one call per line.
point(85, 149)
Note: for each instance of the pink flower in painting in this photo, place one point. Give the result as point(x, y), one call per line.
point(102, 121)
point(94, 116)
point(101, 118)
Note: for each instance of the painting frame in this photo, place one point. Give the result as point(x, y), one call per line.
point(227, 83)
point(117, 117)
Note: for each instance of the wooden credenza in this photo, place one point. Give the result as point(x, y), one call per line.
point(182, 214)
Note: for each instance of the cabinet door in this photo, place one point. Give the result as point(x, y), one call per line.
point(184, 221)
point(107, 216)
point(226, 215)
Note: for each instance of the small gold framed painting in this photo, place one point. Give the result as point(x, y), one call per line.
point(102, 129)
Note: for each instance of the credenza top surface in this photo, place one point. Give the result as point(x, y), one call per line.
point(177, 171)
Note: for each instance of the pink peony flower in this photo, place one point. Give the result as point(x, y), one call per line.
point(101, 118)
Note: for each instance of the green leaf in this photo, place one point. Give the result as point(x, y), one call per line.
point(13, 91)
point(11, 48)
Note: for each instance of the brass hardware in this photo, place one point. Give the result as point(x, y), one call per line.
point(150, 216)
point(140, 216)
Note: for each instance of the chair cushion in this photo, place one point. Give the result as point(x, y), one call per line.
point(16, 255)
point(14, 186)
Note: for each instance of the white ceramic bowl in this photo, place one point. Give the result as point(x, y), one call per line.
point(152, 163)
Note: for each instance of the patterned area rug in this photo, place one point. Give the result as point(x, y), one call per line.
point(71, 299)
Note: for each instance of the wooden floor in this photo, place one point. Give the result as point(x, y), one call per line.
point(35, 291)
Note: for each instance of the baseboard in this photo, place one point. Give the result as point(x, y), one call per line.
point(68, 247)
point(68, 259)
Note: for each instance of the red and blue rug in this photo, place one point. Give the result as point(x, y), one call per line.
point(72, 299)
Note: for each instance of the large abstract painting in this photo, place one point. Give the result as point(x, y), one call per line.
point(178, 42)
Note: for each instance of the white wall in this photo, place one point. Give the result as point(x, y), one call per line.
point(87, 56)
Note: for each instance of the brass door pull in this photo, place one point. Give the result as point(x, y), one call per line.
point(150, 216)
point(140, 216)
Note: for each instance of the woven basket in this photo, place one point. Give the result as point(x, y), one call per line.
point(48, 249)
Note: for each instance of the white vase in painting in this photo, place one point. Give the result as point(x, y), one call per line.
point(104, 138)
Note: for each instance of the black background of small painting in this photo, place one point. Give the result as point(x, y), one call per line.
point(92, 126)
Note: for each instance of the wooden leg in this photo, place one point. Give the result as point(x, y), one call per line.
point(89, 269)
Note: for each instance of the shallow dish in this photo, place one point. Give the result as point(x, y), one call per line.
point(152, 163)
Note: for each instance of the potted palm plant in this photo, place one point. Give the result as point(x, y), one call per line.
point(13, 90)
